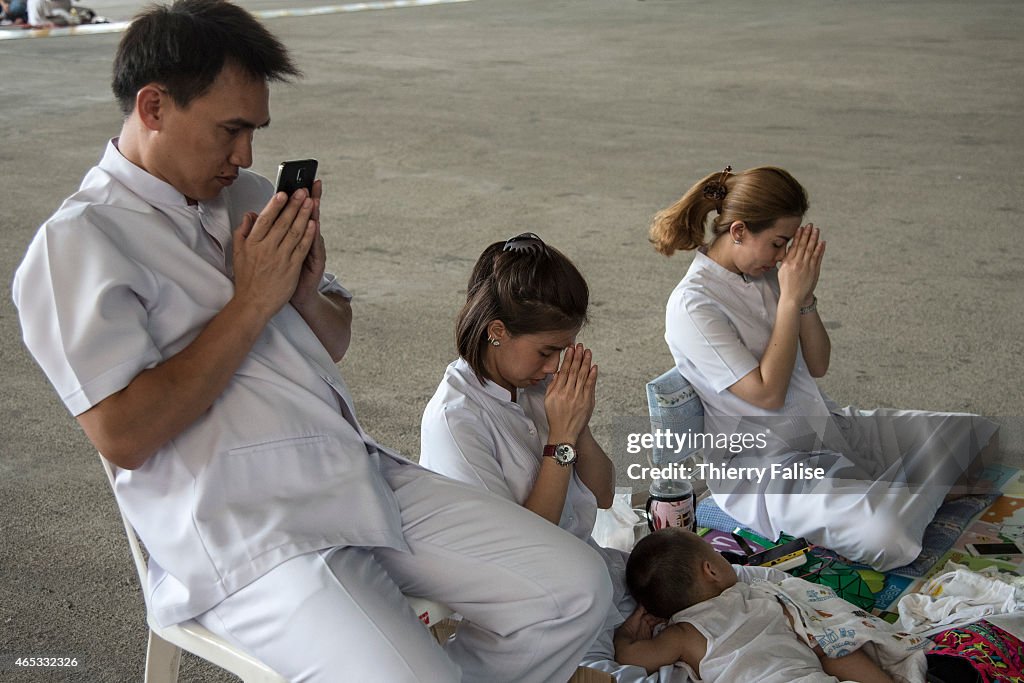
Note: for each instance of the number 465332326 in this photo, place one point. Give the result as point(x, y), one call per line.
point(11, 662)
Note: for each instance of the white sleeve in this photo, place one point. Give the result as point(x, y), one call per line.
point(698, 331)
point(751, 574)
point(83, 309)
point(330, 285)
point(454, 442)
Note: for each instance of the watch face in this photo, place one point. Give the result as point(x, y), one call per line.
point(565, 454)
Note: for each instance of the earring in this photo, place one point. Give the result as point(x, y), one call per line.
point(493, 342)
point(737, 242)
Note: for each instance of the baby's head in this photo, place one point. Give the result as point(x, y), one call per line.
point(672, 569)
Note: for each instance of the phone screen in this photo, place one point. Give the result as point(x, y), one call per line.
point(995, 549)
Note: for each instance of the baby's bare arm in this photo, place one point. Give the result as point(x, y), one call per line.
point(856, 666)
point(676, 642)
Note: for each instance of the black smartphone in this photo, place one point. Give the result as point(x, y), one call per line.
point(292, 175)
point(781, 554)
point(983, 549)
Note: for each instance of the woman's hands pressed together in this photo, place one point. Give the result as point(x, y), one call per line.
point(570, 398)
point(800, 269)
point(569, 403)
point(766, 386)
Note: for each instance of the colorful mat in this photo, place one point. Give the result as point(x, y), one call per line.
point(973, 519)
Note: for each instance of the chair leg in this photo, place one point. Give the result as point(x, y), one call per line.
point(162, 659)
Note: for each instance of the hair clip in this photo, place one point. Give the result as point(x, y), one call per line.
point(716, 189)
point(527, 242)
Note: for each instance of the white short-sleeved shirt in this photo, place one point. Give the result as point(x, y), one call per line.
point(125, 275)
point(749, 636)
point(717, 325)
point(39, 11)
point(477, 434)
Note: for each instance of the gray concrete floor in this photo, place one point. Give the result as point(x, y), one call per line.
point(441, 129)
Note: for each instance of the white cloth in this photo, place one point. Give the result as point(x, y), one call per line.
point(476, 433)
point(616, 526)
point(749, 637)
point(343, 611)
point(893, 467)
point(960, 596)
point(125, 275)
point(822, 618)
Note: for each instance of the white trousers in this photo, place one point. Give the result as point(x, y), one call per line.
point(533, 597)
point(887, 472)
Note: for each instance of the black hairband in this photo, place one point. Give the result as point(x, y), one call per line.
point(716, 190)
point(527, 242)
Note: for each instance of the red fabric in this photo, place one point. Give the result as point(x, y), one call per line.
point(995, 654)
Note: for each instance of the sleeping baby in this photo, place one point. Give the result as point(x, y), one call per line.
point(695, 613)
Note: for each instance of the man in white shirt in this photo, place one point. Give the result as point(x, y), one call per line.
point(182, 310)
point(59, 13)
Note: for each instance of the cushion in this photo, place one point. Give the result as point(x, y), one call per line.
point(713, 517)
point(941, 533)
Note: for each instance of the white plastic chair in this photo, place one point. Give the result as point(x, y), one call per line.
point(163, 653)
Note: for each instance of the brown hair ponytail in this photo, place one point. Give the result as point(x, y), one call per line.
point(758, 197)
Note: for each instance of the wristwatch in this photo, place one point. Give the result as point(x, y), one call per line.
point(563, 453)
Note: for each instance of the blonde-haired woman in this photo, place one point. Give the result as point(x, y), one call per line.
point(743, 328)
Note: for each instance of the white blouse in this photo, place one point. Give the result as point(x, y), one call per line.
point(717, 325)
point(477, 434)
